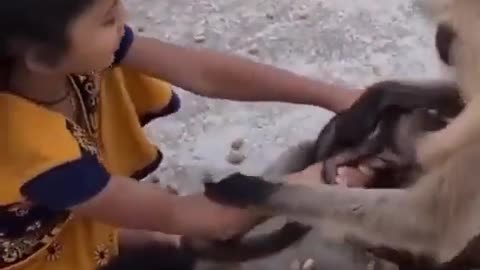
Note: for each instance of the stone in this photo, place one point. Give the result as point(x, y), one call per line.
point(199, 38)
point(253, 50)
point(237, 144)
point(235, 157)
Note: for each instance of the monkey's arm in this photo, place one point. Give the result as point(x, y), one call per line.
point(394, 218)
point(351, 127)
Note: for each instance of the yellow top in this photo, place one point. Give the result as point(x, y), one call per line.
point(48, 164)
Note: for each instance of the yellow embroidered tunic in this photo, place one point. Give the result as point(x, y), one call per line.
point(48, 164)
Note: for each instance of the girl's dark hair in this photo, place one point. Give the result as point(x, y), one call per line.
point(42, 22)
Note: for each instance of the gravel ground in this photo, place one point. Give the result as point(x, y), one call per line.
point(351, 42)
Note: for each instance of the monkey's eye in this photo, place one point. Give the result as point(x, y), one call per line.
point(444, 39)
point(432, 112)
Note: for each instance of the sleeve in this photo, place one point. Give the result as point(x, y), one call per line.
point(152, 98)
point(67, 184)
point(125, 45)
point(44, 161)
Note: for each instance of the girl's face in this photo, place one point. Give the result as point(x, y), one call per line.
point(94, 37)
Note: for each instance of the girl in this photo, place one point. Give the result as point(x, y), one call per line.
point(76, 89)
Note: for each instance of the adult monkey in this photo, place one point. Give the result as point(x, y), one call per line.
point(435, 218)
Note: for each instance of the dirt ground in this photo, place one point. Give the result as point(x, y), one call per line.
point(350, 42)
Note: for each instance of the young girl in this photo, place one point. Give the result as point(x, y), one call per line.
point(76, 89)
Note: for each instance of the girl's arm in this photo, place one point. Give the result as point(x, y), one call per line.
point(219, 75)
point(129, 204)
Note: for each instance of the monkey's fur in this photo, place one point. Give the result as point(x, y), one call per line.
point(435, 221)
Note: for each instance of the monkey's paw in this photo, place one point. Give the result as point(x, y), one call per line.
point(240, 190)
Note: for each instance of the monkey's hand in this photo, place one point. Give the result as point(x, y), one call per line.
point(352, 127)
point(240, 190)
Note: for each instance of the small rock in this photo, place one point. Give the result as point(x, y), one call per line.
point(235, 157)
point(280, 140)
point(376, 70)
point(295, 265)
point(141, 29)
point(303, 16)
point(253, 51)
point(237, 144)
point(171, 190)
point(154, 179)
point(207, 176)
point(200, 38)
point(309, 264)
point(269, 16)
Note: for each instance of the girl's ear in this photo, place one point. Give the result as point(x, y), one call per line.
point(38, 60)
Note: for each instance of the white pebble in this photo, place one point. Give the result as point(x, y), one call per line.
point(280, 140)
point(200, 38)
point(235, 157)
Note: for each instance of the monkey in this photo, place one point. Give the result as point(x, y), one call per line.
point(398, 126)
point(434, 218)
